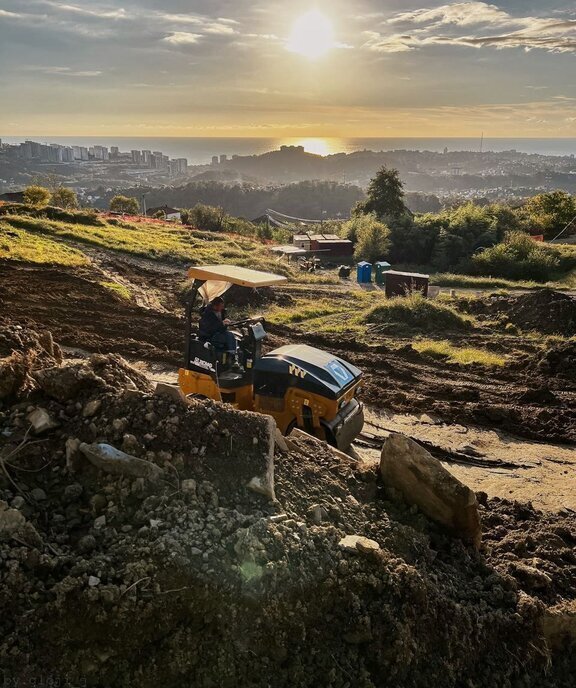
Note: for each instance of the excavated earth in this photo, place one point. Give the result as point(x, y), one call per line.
point(533, 396)
point(188, 578)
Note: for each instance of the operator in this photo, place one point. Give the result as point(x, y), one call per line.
point(213, 328)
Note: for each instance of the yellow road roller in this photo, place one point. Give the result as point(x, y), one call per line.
point(298, 385)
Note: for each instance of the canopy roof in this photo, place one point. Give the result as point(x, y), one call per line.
point(235, 275)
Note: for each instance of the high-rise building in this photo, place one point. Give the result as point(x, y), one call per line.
point(114, 152)
point(136, 157)
point(223, 158)
point(67, 154)
point(146, 157)
point(214, 159)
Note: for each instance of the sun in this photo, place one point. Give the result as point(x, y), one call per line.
point(312, 35)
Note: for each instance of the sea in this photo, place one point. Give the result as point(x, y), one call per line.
point(199, 151)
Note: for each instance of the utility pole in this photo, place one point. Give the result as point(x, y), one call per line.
point(144, 204)
point(482, 143)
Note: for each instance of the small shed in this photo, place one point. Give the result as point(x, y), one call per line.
point(335, 248)
point(405, 283)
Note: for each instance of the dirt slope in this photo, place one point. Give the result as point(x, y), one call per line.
point(193, 580)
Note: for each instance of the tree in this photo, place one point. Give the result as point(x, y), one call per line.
point(207, 217)
point(550, 212)
point(385, 197)
point(64, 198)
point(124, 205)
point(372, 238)
point(37, 195)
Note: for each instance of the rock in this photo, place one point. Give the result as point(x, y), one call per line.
point(99, 522)
point(172, 391)
point(358, 543)
point(74, 456)
point(18, 502)
point(93, 581)
point(531, 578)
point(429, 419)
point(38, 494)
point(423, 481)
point(72, 492)
point(257, 485)
point(189, 486)
point(278, 518)
point(13, 524)
point(317, 513)
point(87, 543)
point(112, 460)
point(92, 408)
point(41, 421)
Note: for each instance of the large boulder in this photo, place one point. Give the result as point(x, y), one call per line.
point(423, 481)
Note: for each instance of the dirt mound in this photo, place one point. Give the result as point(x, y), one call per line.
point(544, 310)
point(21, 352)
point(188, 578)
point(559, 361)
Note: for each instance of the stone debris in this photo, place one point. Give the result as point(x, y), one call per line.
point(336, 578)
point(112, 460)
point(358, 543)
point(41, 421)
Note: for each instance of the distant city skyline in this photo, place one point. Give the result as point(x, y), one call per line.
point(255, 68)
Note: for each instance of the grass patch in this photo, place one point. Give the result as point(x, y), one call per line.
point(157, 242)
point(416, 312)
point(303, 311)
point(449, 279)
point(20, 245)
point(118, 289)
point(456, 354)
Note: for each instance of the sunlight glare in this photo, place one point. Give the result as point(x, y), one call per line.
point(312, 35)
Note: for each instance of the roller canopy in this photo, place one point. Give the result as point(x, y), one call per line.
point(244, 277)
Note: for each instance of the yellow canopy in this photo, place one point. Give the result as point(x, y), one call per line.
point(235, 275)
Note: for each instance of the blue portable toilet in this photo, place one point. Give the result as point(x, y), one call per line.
point(364, 272)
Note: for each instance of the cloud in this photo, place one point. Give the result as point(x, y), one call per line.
point(495, 29)
point(460, 13)
point(64, 71)
point(100, 13)
point(182, 38)
point(10, 15)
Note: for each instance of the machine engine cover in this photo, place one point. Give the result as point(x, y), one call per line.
point(309, 368)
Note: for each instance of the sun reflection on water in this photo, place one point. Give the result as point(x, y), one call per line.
point(318, 146)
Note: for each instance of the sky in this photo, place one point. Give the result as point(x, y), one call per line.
point(338, 68)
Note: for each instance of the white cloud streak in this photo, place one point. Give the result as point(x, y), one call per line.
point(494, 28)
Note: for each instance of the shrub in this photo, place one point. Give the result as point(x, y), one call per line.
point(372, 237)
point(37, 195)
point(517, 257)
point(64, 198)
point(125, 205)
point(417, 312)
